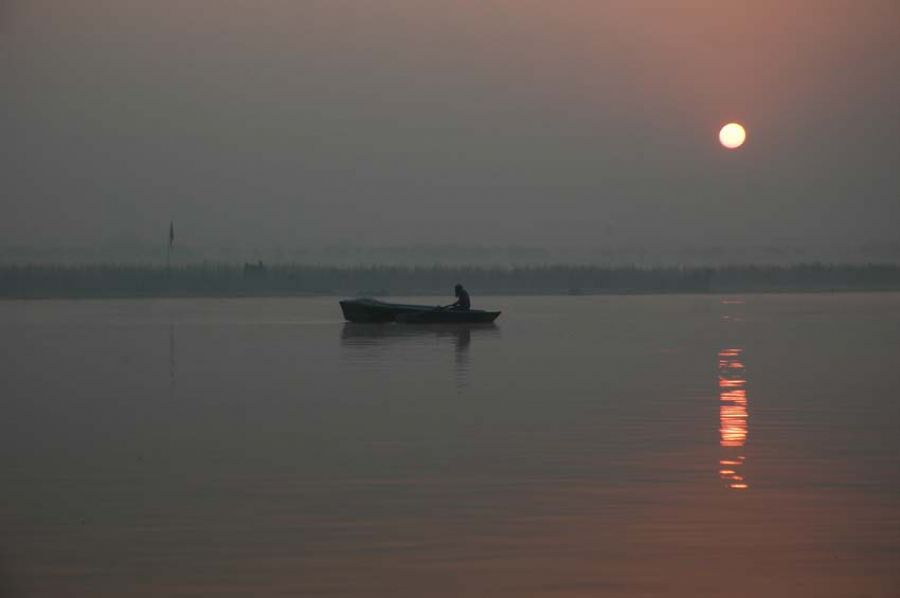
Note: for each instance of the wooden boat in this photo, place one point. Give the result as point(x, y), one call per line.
point(373, 310)
point(449, 316)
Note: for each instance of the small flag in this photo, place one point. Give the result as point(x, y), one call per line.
point(171, 233)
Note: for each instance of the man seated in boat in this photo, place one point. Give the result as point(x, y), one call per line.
point(462, 299)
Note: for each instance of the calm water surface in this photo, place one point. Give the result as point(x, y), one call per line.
point(585, 446)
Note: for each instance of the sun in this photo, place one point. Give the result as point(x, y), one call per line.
point(732, 135)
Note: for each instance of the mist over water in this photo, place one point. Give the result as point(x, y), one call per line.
point(164, 444)
point(649, 446)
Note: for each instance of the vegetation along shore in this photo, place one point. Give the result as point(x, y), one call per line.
point(60, 281)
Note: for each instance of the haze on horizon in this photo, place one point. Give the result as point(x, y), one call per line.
point(269, 125)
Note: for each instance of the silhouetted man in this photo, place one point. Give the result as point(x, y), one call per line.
point(462, 298)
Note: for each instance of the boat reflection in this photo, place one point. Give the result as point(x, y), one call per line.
point(355, 335)
point(733, 417)
point(380, 334)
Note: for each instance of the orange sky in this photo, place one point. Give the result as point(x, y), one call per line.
point(555, 121)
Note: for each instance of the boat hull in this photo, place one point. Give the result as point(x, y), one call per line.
point(372, 310)
point(449, 316)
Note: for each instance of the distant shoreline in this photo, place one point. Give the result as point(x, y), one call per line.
point(258, 280)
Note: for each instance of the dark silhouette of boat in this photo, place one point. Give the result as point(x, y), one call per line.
point(373, 310)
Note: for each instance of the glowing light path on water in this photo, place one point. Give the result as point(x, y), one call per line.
point(733, 417)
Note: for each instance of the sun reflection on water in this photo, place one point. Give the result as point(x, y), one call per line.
point(733, 417)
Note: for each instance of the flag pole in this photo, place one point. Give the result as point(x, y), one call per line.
point(169, 246)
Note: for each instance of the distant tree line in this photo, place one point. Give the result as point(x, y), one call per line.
point(259, 280)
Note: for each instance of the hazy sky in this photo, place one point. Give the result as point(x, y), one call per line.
point(260, 123)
